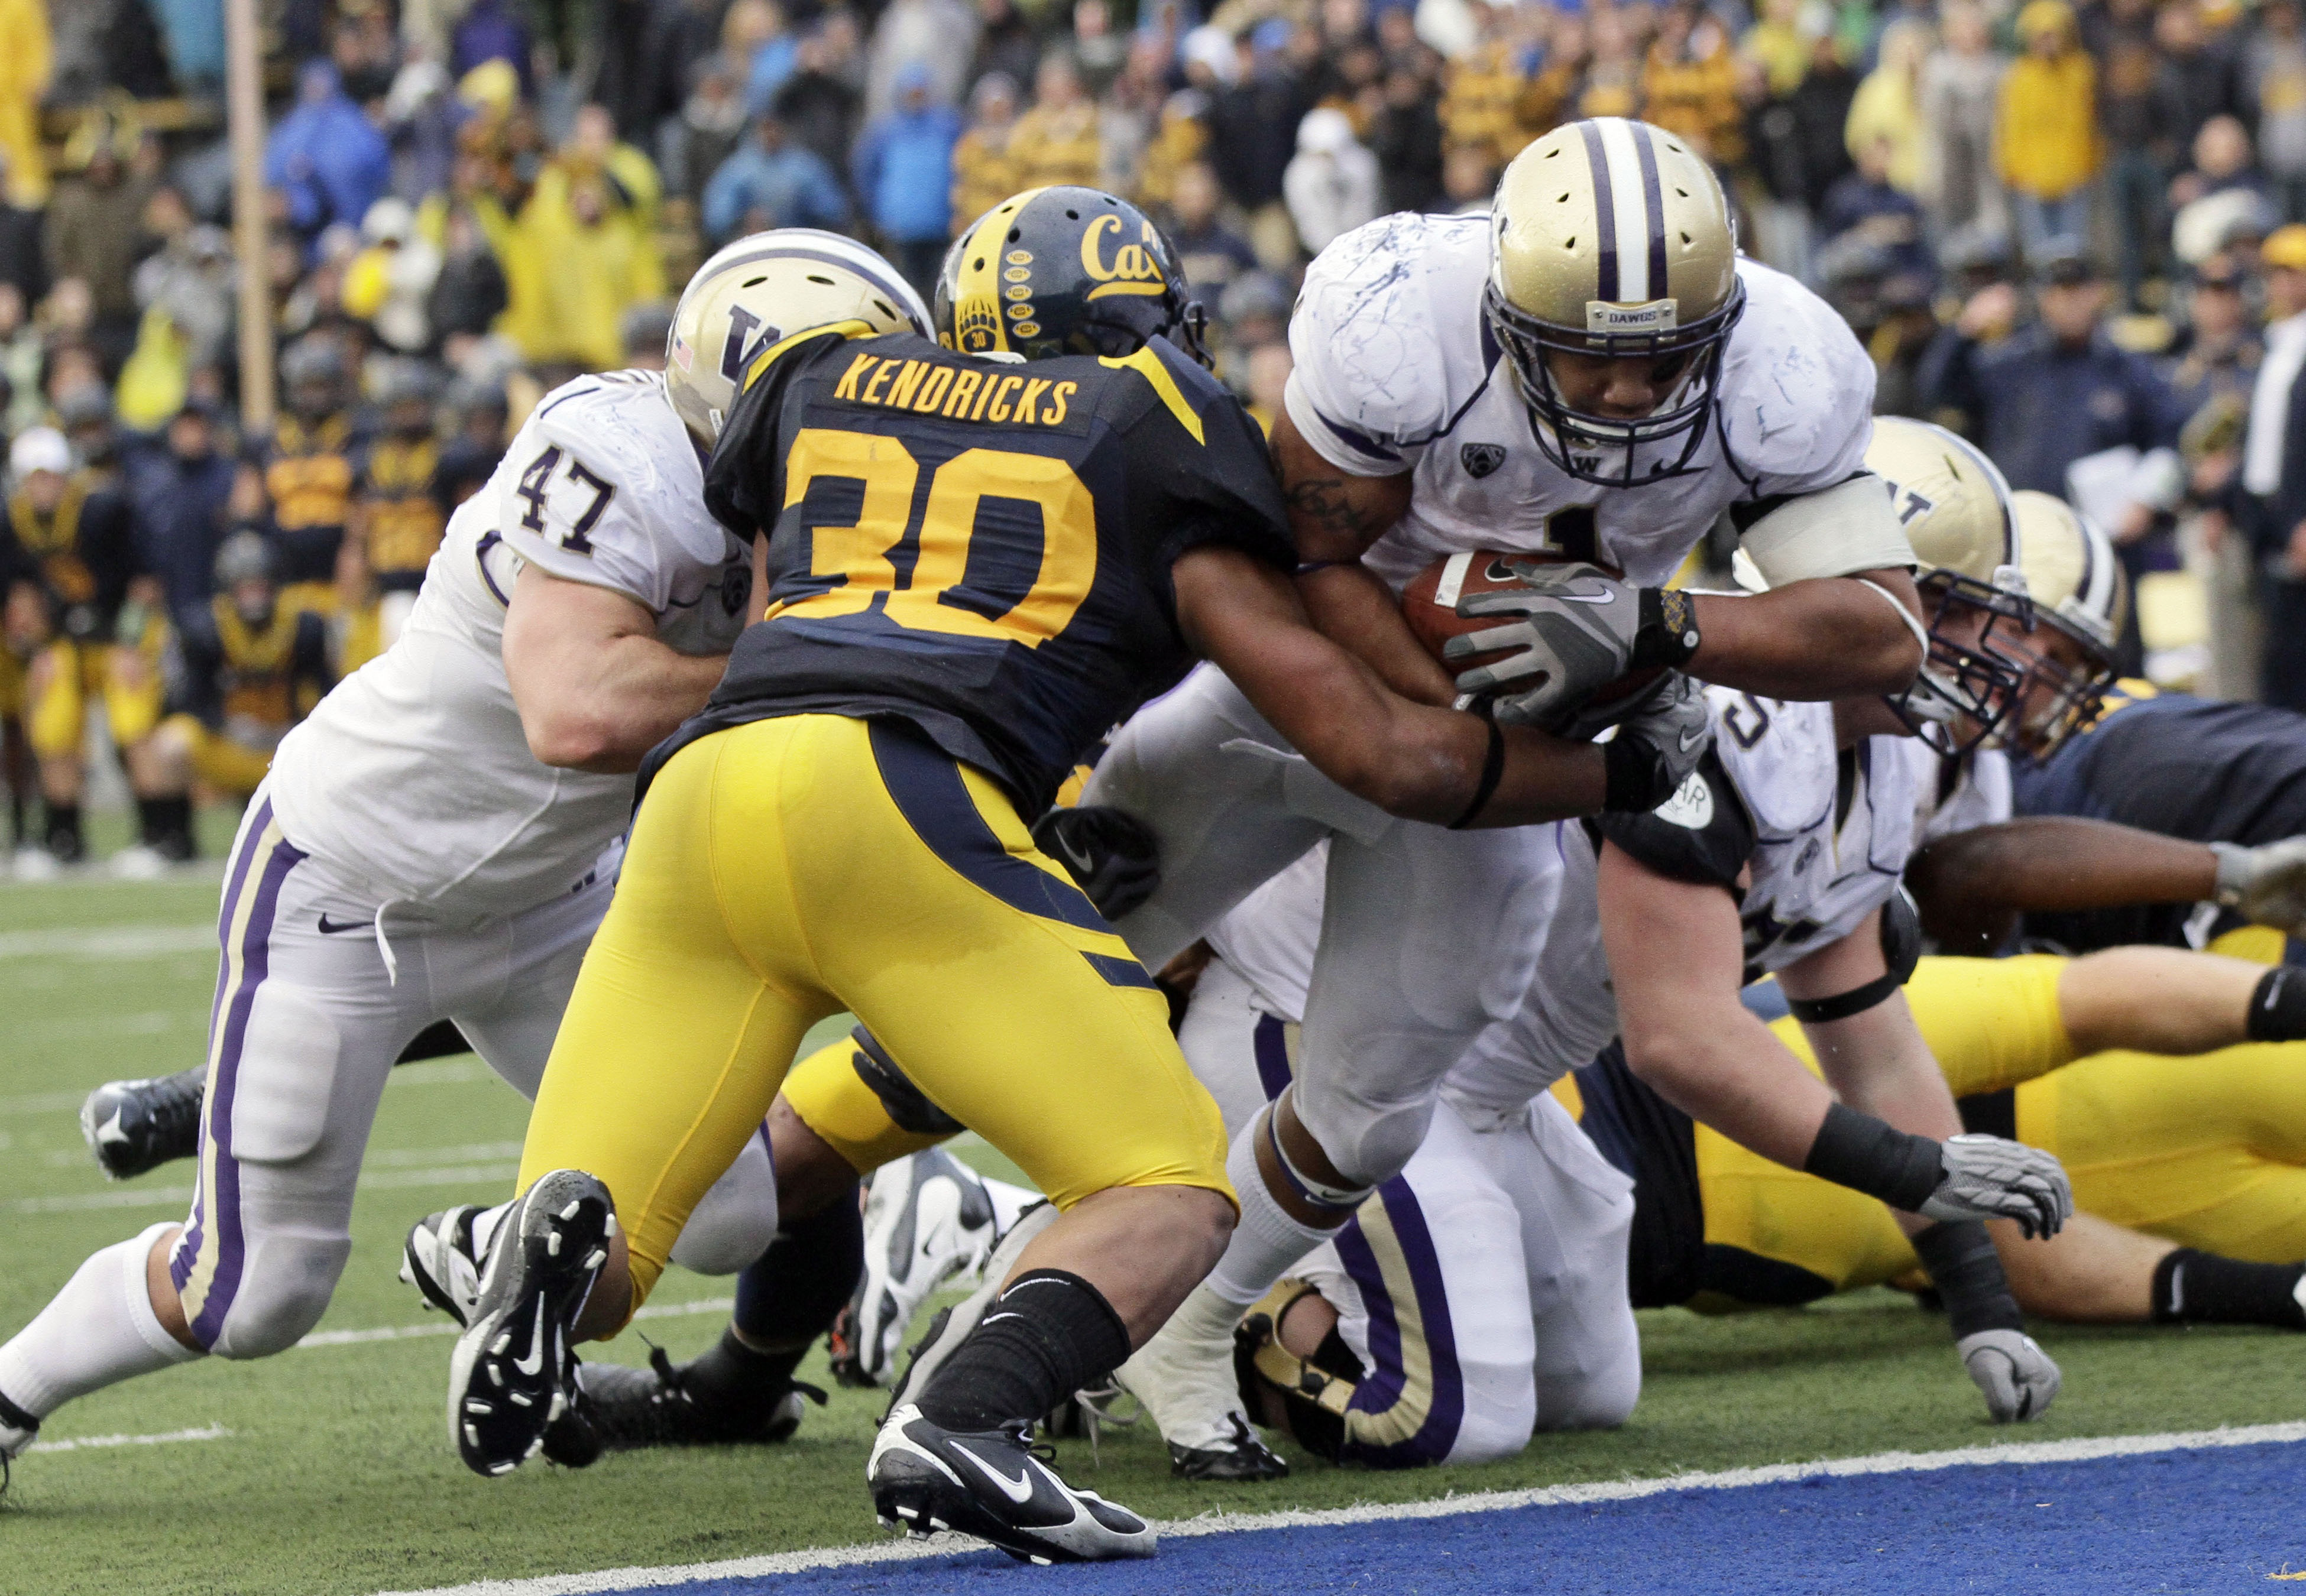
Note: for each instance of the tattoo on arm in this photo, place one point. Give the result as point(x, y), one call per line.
point(1326, 504)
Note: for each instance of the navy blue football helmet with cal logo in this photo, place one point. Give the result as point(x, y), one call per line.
point(1056, 271)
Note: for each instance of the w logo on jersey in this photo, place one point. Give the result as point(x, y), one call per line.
point(742, 348)
point(1479, 459)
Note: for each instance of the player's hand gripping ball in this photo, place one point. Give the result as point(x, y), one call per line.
point(1548, 641)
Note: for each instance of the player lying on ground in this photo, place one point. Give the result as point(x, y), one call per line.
point(976, 564)
point(438, 840)
point(2190, 1179)
point(1587, 379)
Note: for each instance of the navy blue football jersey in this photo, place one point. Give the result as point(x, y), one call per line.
point(980, 549)
point(2196, 768)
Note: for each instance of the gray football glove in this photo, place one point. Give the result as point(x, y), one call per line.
point(2267, 883)
point(1658, 745)
point(1571, 629)
point(1988, 1177)
point(2018, 1379)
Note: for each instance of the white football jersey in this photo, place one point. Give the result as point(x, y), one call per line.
point(413, 778)
point(1953, 796)
point(1395, 370)
point(1833, 828)
point(1270, 936)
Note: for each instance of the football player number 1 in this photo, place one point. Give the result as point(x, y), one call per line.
point(936, 599)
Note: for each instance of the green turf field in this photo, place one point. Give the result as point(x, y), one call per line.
point(327, 1470)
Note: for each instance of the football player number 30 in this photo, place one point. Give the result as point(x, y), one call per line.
point(935, 599)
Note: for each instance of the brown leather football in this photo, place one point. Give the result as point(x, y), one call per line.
point(1429, 604)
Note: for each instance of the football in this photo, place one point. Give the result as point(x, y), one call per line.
point(1430, 605)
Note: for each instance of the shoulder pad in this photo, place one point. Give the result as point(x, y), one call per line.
point(1387, 330)
point(1702, 834)
point(1797, 393)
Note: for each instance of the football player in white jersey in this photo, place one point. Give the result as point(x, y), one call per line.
point(440, 838)
point(1589, 374)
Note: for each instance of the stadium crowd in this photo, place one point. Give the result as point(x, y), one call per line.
point(2078, 236)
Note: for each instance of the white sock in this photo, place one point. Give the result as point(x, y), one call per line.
point(97, 1331)
point(1267, 1240)
point(1008, 1202)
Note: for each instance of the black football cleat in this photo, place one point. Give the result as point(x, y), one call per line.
point(635, 1409)
point(442, 1258)
point(998, 1486)
point(512, 1374)
point(135, 1126)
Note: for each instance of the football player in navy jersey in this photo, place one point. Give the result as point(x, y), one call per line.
point(980, 553)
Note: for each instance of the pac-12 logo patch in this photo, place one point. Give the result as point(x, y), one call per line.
point(1479, 459)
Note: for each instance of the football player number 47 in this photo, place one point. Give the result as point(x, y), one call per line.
point(939, 597)
point(537, 479)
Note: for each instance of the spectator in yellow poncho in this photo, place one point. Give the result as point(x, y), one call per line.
point(1888, 107)
point(584, 249)
point(2046, 139)
point(25, 59)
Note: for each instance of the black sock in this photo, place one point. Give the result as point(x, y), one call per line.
point(64, 840)
point(165, 824)
point(2202, 1288)
point(1967, 1273)
point(738, 1382)
point(1045, 1337)
point(790, 1294)
point(2277, 1007)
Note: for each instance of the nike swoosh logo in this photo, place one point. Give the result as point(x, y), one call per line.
point(1079, 860)
point(1690, 739)
point(340, 927)
point(1586, 598)
point(535, 1359)
point(1019, 1490)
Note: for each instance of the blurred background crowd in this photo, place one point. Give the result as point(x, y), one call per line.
point(2073, 234)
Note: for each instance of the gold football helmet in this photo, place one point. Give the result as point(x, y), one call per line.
point(758, 290)
point(2082, 595)
point(1956, 512)
point(1611, 238)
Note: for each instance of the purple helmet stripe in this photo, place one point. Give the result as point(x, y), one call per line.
point(1605, 207)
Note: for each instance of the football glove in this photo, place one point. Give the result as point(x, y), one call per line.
point(1110, 854)
point(1658, 745)
point(1987, 1177)
point(2018, 1379)
point(1573, 629)
point(2267, 883)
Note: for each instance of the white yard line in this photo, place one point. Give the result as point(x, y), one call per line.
point(164, 1197)
point(444, 1326)
point(81, 1443)
point(108, 941)
point(1490, 1501)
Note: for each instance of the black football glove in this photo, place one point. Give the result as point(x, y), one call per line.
point(1110, 854)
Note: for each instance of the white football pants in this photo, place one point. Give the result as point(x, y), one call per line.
point(309, 1018)
point(1428, 936)
point(1482, 1288)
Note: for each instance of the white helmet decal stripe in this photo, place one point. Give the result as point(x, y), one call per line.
point(1629, 222)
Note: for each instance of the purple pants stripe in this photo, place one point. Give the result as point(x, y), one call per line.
point(263, 880)
point(1387, 1382)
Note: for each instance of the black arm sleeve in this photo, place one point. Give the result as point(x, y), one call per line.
point(1704, 843)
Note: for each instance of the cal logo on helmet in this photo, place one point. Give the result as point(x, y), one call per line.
point(1064, 270)
point(1134, 267)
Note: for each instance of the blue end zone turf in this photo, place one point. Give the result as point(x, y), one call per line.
point(2224, 1519)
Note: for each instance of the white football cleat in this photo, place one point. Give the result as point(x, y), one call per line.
point(927, 1218)
point(951, 1326)
point(1185, 1378)
point(139, 861)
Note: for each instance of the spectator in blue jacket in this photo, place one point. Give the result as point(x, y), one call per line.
point(769, 183)
point(2051, 393)
point(904, 174)
point(326, 156)
point(182, 492)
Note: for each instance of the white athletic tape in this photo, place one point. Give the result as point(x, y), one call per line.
point(1490, 1501)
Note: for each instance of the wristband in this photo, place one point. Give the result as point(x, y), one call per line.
point(1859, 1151)
point(2233, 874)
point(1665, 632)
point(1493, 768)
point(1966, 1272)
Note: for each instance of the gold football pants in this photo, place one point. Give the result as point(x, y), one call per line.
point(2209, 1152)
point(788, 869)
